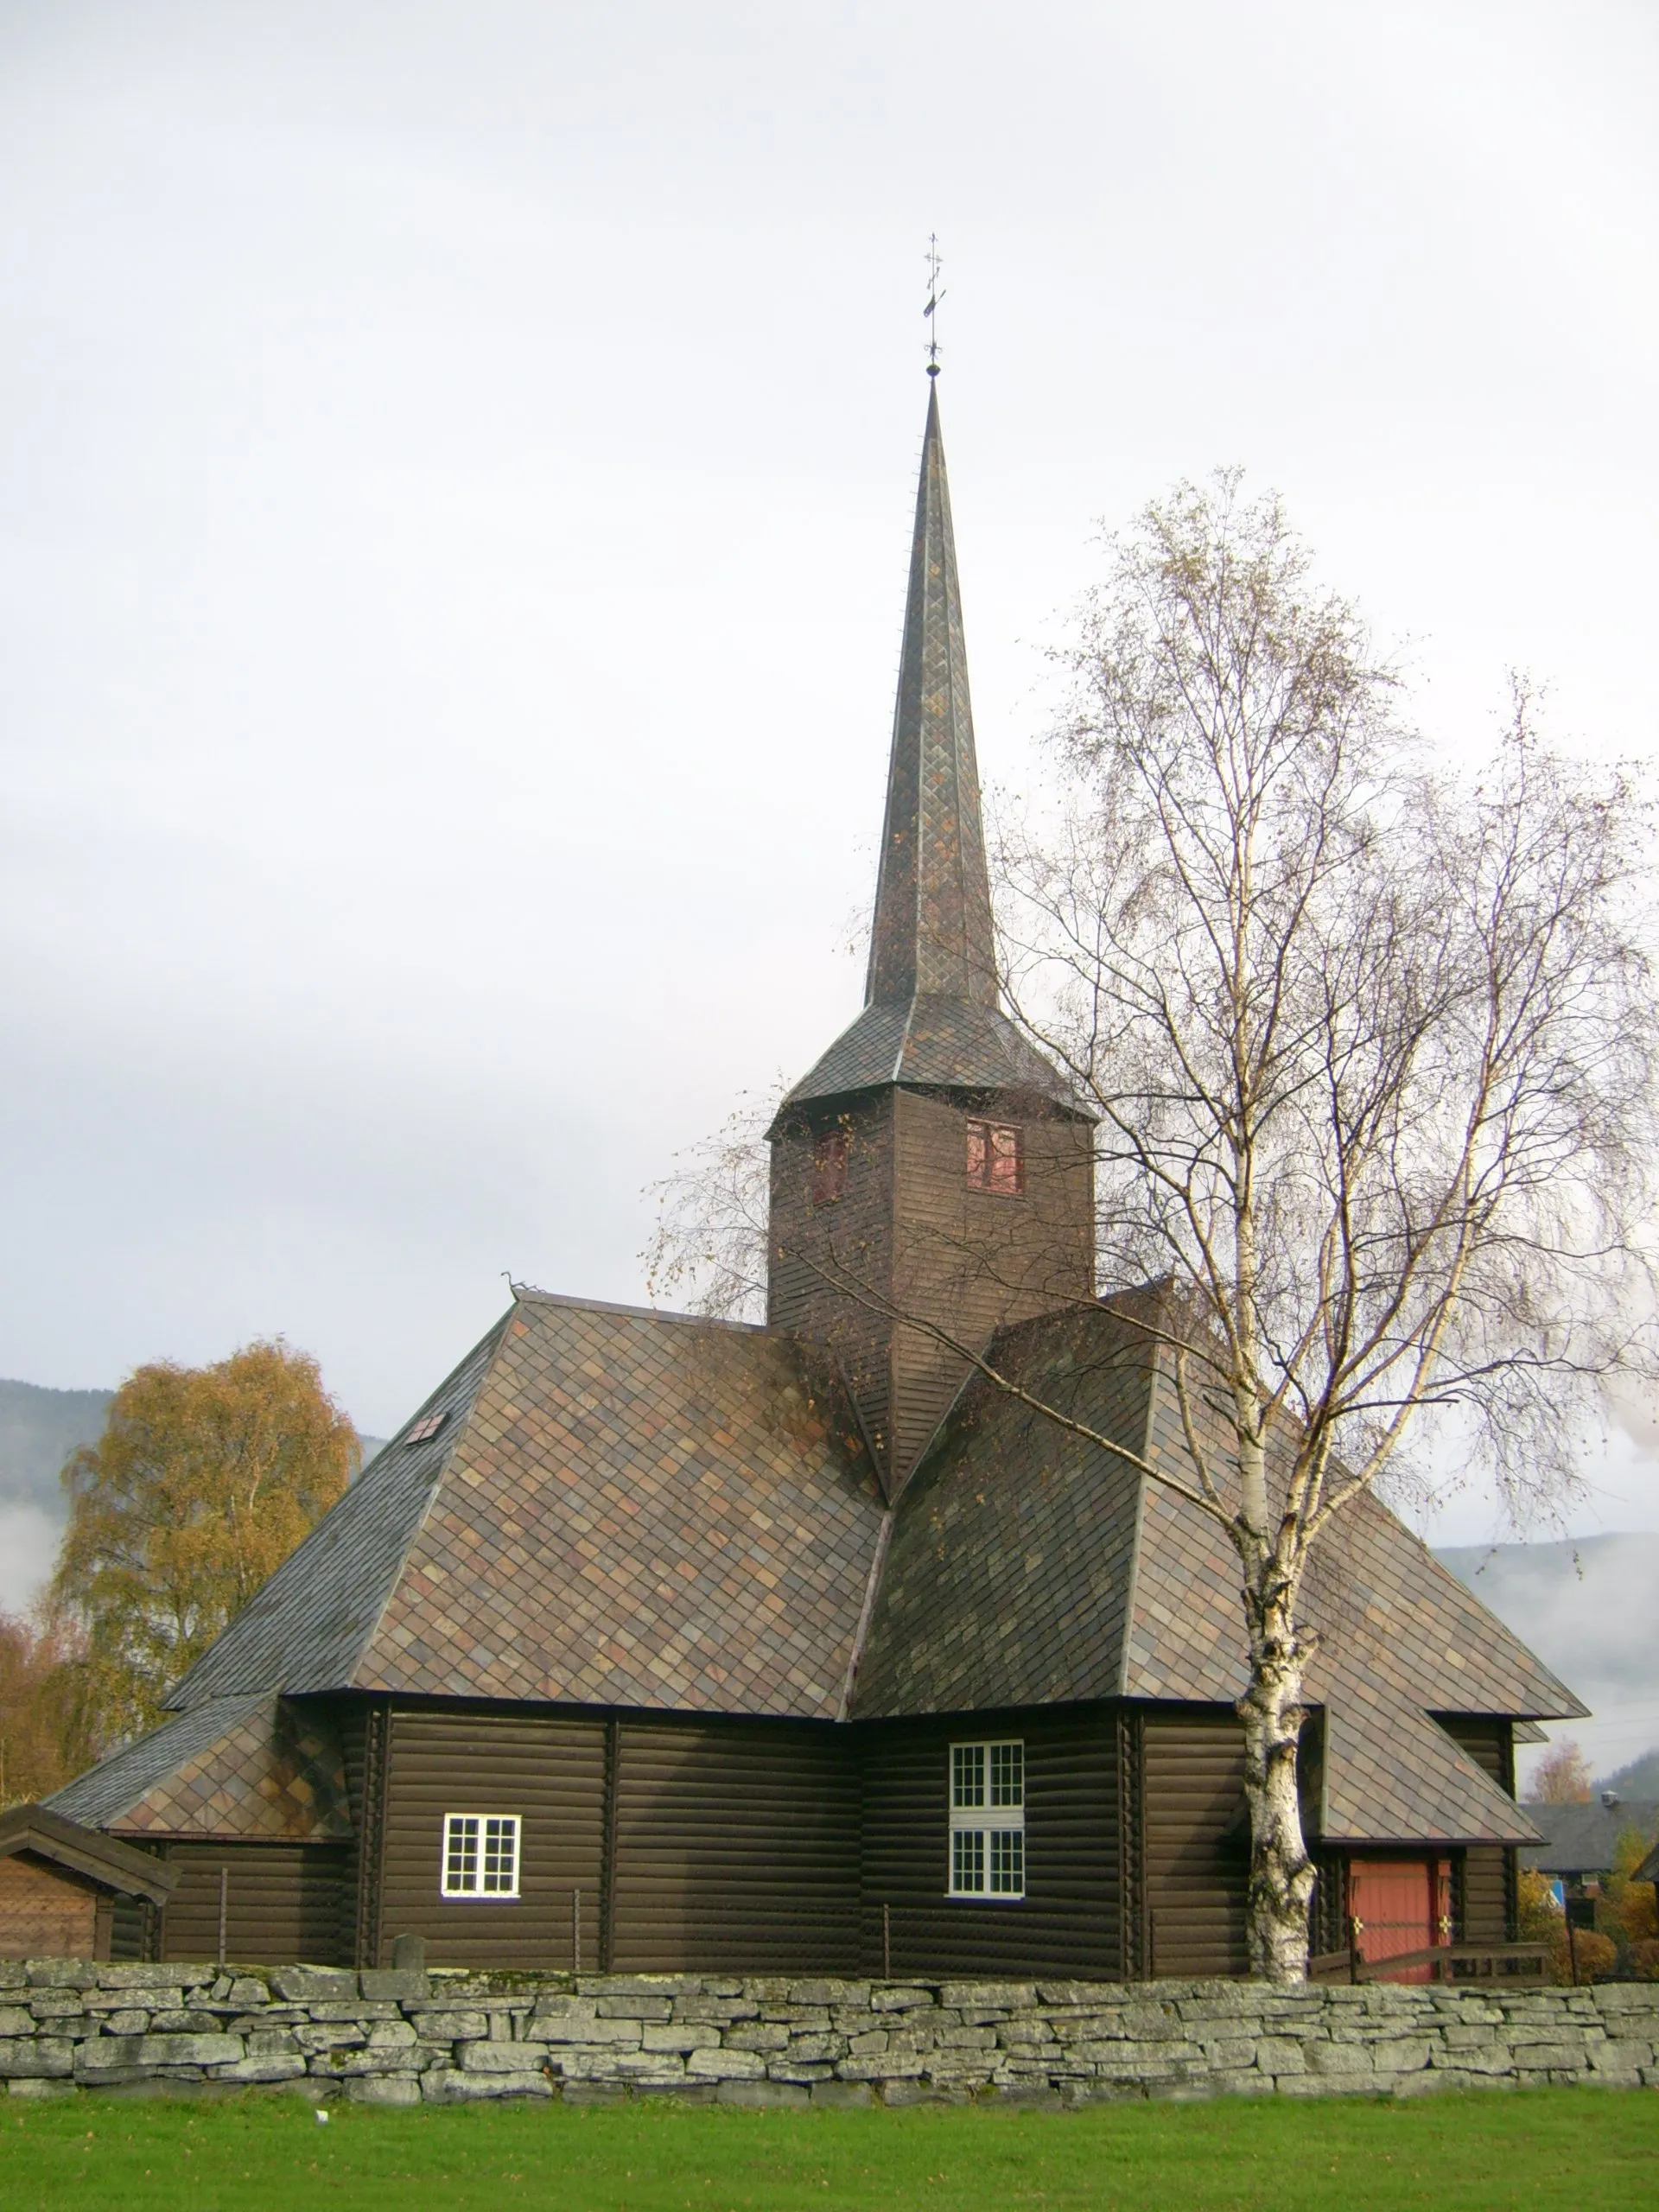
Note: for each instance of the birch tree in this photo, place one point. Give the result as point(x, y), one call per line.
point(1371, 1045)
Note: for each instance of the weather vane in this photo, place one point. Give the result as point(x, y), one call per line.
point(934, 295)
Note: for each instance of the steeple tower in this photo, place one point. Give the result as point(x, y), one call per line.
point(931, 1167)
point(933, 928)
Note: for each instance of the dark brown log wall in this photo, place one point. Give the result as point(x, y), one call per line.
point(286, 1904)
point(907, 1225)
point(135, 1925)
point(736, 1848)
point(854, 1234)
point(972, 1259)
point(547, 1768)
point(1068, 1923)
point(1195, 1843)
point(1486, 1887)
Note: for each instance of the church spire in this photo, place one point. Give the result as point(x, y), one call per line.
point(932, 932)
point(885, 1221)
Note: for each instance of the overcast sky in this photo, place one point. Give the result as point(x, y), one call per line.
point(455, 470)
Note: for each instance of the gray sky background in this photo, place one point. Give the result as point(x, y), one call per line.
point(456, 465)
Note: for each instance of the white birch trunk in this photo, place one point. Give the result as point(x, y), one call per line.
point(1281, 1874)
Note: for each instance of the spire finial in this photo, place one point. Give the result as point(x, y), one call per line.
point(934, 295)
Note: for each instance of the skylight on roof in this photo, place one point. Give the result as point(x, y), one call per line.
point(422, 1429)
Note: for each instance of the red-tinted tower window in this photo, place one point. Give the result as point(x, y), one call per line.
point(828, 1166)
point(997, 1159)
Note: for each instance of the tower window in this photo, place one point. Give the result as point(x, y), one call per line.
point(997, 1159)
point(830, 1153)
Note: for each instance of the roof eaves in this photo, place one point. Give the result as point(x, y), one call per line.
point(104, 1859)
point(1567, 1708)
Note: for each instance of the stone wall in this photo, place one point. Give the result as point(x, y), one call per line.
point(397, 2037)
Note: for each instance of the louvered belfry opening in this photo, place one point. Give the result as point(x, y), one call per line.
point(887, 1213)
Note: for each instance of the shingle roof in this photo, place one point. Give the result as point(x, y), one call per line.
point(1394, 1775)
point(274, 1771)
point(1027, 1566)
point(1582, 1838)
point(644, 1510)
point(307, 1628)
point(1383, 1606)
point(633, 1509)
point(930, 1017)
point(1007, 1576)
point(105, 1791)
point(624, 1508)
point(932, 926)
point(931, 1043)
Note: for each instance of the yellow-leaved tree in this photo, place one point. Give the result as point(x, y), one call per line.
point(203, 1480)
point(42, 1741)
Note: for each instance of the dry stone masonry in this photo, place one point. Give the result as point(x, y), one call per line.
point(399, 2036)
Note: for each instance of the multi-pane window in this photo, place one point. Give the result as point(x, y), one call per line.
point(829, 1150)
point(987, 1820)
point(997, 1159)
point(480, 1855)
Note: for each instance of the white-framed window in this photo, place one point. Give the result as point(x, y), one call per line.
point(480, 1855)
point(987, 1820)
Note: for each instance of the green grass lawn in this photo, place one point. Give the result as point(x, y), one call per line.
point(1573, 2148)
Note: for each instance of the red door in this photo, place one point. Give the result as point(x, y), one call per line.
point(1399, 1905)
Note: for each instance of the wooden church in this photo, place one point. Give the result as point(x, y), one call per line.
point(654, 1641)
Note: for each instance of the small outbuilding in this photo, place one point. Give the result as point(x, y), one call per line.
point(67, 1892)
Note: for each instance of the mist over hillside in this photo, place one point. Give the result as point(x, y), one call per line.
point(39, 1430)
point(1589, 1607)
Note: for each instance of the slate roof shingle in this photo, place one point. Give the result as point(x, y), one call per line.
point(250, 1766)
point(644, 1510)
point(931, 1043)
point(1028, 1565)
point(1394, 1775)
point(307, 1628)
point(624, 1508)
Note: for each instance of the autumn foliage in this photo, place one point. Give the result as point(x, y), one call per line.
point(203, 1482)
point(1625, 1939)
point(43, 1739)
point(1562, 1775)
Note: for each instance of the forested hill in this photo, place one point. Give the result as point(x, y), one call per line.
point(38, 1431)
